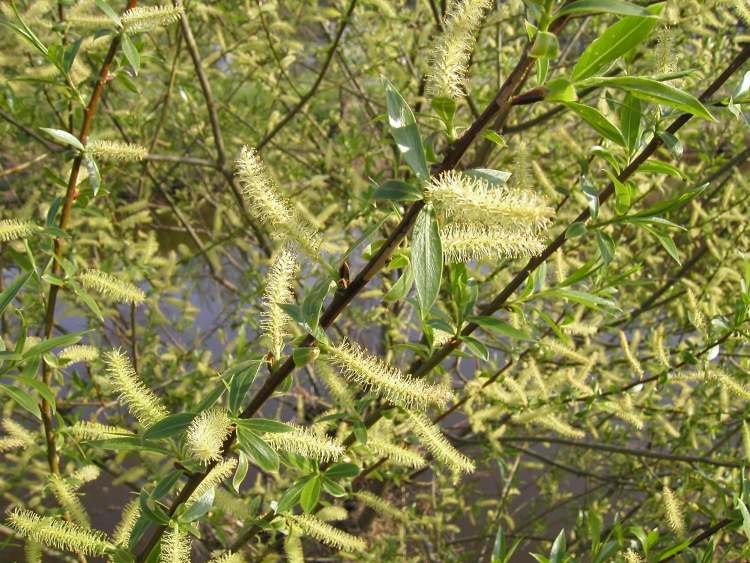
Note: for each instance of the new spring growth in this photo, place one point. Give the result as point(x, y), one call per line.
point(673, 511)
point(433, 439)
point(267, 205)
point(13, 229)
point(278, 292)
point(114, 150)
point(17, 436)
point(58, 534)
point(112, 288)
point(369, 372)
point(218, 473)
point(32, 551)
point(631, 556)
point(629, 356)
point(83, 475)
point(395, 454)
point(175, 546)
point(146, 18)
point(306, 443)
point(206, 434)
point(469, 242)
point(450, 55)
point(333, 513)
point(146, 407)
point(325, 533)
point(470, 199)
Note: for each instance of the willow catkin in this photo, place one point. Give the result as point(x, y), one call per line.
point(142, 403)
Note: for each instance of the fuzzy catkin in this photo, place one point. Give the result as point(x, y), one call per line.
point(325, 533)
point(115, 150)
point(206, 434)
point(451, 52)
point(66, 496)
point(673, 511)
point(12, 229)
point(146, 18)
point(397, 455)
point(433, 439)
point(369, 372)
point(470, 199)
point(84, 430)
point(306, 443)
point(142, 403)
point(278, 292)
point(468, 242)
point(58, 534)
point(175, 546)
point(218, 473)
point(130, 515)
point(79, 353)
point(112, 288)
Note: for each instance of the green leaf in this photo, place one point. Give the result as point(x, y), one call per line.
point(258, 450)
point(42, 388)
point(199, 507)
point(56, 342)
point(291, 496)
point(545, 45)
point(313, 303)
point(557, 553)
point(22, 398)
point(501, 327)
point(560, 90)
point(492, 177)
point(310, 494)
point(70, 54)
point(619, 7)
point(12, 290)
point(427, 259)
point(661, 167)
point(584, 298)
point(169, 426)
point(262, 425)
point(658, 93)
point(240, 384)
point(405, 132)
point(239, 476)
point(333, 488)
point(107, 9)
point(396, 190)
point(630, 121)
point(606, 246)
point(342, 471)
point(576, 229)
point(476, 347)
point(402, 286)
point(131, 52)
point(63, 137)
point(614, 42)
point(598, 122)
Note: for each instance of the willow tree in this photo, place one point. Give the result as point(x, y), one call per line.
point(396, 281)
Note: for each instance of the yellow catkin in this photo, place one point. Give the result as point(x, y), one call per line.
point(66, 496)
point(32, 551)
point(85, 474)
point(397, 455)
point(278, 292)
point(475, 242)
point(175, 546)
point(336, 386)
point(146, 18)
point(631, 556)
point(657, 346)
point(58, 534)
point(306, 443)
point(130, 515)
point(142, 403)
point(629, 355)
point(470, 199)
point(114, 150)
point(333, 513)
point(559, 348)
point(325, 533)
point(673, 511)
point(268, 206)
point(94, 431)
point(112, 288)
point(218, 473)
point(380, 505)
point(696, 315)
point(228, 557)
point(13, 229)
point(451, 52)
point(79, 353)
point(746, 440)
point(293, 549)
point(433, 439)
point(206, 434)
point(369, 372)
point(727, 383)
